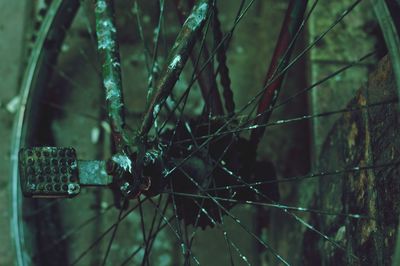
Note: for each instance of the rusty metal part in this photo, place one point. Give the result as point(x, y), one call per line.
point(94, 173)
point(54, 172)
point(108, 49)
point(49, 172)
point(177, 59)
point(204, 68)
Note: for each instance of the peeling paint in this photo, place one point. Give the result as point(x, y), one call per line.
point(197, 16)
point(156, 110)
point(101, 6)
point(112, 90)
point(105, 30)
point(175, 62)
point(123, 161)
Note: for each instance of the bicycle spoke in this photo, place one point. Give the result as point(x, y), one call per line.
point(114, 232)
point(155, 53)
point(178, 223)
point(185, 95)
point(206, 79)
point(294, 96)
point(265, 244)
point(187, 244)
point(302, 221)
point(142, 225)
point(229, 243)
point(137, 12)
point(312, 175)
point(301, 92)
point(273, 205)
point(203, 151)
point(284, 46)
point(203, 200)
point(176, 61)
point(92, 37)
point(295, 60)
point(183, 245)
point(151, 238)
point(252, 101)
point(213, 137)
point(226, 39)
point(102, 235)
point(149, 243)
point(72, 231)
point(225, 234)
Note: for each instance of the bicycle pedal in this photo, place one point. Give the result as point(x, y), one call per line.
point(49, 172)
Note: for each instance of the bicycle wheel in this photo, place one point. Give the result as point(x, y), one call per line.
point(211, 199)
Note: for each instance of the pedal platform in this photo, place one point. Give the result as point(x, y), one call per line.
point(49, 172)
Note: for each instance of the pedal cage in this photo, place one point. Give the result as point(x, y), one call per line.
point(49, 172)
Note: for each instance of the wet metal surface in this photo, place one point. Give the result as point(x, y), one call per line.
point(93, 173)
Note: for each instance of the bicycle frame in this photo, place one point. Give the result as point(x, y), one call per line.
point(280, 60)
point(111, 71)
point(107, 45)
